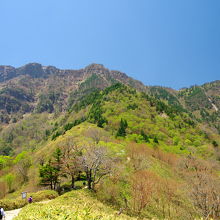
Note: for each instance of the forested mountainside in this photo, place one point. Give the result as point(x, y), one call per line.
point(150, 151)
point(202, 101)
point(37, 88)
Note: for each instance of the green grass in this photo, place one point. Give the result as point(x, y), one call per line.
point(76, 205)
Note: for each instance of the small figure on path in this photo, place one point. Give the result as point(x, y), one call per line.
point(2, 213)
point(30, 200)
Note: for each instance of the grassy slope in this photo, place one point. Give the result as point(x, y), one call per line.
point(73, 205)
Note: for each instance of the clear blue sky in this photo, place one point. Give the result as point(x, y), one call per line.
point(173, 43)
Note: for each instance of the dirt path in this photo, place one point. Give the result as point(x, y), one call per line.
point(9, 215)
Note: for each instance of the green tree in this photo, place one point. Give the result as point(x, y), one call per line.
point(215, 144)
point(156, 140)
point(145, 137)
point(95, 114)
point(49, 175)
point(122, 129)
point(57, 158)
point(51, 172)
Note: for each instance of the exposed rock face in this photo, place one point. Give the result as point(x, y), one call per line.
point(38, 88)
point(33, 69)
point(96, 68)
point(7, 73)
point(36, 70)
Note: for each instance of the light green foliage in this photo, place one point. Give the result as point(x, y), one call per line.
point(9, 179)
point(22, 156)
point(136, 138)
point(176, 140)
point(146, 115)
point(175, 128)
point(5, 161)
point(76, 205)
point(25, 134)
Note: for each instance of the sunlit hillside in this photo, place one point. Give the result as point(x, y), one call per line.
point(125, 151)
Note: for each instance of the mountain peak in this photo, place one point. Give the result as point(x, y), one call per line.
point(95, 66)
point(96, 69)
point(32, 69)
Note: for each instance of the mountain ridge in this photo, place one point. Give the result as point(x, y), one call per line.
point(37, 88)
point(35, 69)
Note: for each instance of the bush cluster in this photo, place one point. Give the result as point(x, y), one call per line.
point(9, 204)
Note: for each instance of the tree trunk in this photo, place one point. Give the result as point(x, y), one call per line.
point(89, 179)
point(54, 186)
point(89, 184)
point(72, 182)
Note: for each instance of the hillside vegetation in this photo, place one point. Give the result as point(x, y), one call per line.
point(146, 152)
point(72, 205)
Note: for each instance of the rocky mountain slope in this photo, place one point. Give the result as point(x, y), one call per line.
point(37, 88)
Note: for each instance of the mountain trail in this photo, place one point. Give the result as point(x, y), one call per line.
point(9, 215)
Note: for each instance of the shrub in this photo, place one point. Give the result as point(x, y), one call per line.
point(215, 144)
point(9, 204)
point(143, 185)
point(72, 205)
point(44, 195)
point(9, 179)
